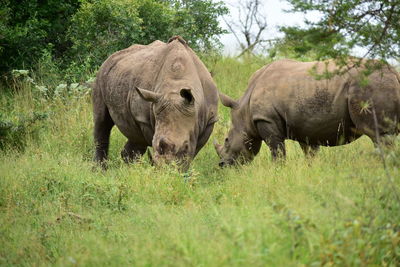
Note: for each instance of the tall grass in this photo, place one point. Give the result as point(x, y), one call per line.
point(338, 208)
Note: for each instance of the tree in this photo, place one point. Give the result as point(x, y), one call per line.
point(80, 34)
point(345, 25)
point(251, 24)
point(102, 27)
point(197, 22)
point(27, 27)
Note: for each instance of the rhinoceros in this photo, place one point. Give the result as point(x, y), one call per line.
point(158, 95)
point(290, 100)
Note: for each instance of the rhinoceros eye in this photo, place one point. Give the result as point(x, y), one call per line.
point(226, 140)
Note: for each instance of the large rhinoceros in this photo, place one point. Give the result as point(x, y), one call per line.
point(158, 95)
point(285, 100)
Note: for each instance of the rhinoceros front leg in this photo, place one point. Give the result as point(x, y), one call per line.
point(273, 137)
point(103, 124)
point(132, 151)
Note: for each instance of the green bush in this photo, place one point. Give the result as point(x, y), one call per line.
point(15, 131)
point(197, 22)
point(27, 27)
point(102, 27)
point(80, 34)
point(157, 21)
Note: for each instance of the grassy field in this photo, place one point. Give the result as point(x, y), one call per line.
point(340, 208)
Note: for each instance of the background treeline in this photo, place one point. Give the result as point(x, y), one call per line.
point(79, 34)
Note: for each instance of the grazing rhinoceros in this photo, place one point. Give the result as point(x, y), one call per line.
point(158, 95)
point(284, 100)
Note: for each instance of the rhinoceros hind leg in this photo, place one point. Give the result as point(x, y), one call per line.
point(384, 140)
point(102, 129)
point(378, 120)
point(271, 135)
point(309, 150)
point(132, 151)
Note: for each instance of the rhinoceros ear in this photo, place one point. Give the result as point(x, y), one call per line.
point(149, 95)
point(187, 95)
point(228, 102)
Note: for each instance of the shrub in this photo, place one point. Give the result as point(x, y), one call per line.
point(27, 27)
point(80, 34)
point(197, 22)
point(157, 21)
point(102, 27)
point(16, 130)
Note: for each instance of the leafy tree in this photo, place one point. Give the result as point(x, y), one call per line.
point(344, 25)
point(101, 27)
point(80, 34)
point(157, 21)
point(27, 27)
point(197, 22)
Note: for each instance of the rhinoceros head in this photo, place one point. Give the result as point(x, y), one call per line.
point(237, 147)
point(175, 117)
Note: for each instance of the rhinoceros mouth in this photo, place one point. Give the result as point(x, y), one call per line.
point(157, 160)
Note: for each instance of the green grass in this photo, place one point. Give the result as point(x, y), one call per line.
point(339, 208)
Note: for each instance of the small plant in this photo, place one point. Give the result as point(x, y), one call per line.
point(15, 132)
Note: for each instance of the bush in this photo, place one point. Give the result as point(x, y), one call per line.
point(14, 132)
point(102, 27)
point(157, 21)
point(80, 34)
point(27, 27)
point(197, 22)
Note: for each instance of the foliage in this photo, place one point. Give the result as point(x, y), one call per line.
point(345, 25)
point(301, 45)
point(197, 22)
point(27, 27)
point(157, 21)
point(80, 34)
point(15, 132)
point(102, 27)
point(339, 208)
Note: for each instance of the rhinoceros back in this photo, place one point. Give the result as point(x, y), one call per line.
point(325, 111)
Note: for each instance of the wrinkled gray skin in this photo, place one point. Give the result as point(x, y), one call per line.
point(284, 101)
point(158, 95)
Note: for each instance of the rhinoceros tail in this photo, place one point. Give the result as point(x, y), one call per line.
point(179, 38)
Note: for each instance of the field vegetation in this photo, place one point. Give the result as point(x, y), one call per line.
point(57, 208)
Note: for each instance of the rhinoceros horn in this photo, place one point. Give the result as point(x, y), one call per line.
point(228, 102)
point(218, 147)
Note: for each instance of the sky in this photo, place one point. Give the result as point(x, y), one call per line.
point(275, 15)
point(274, 10)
